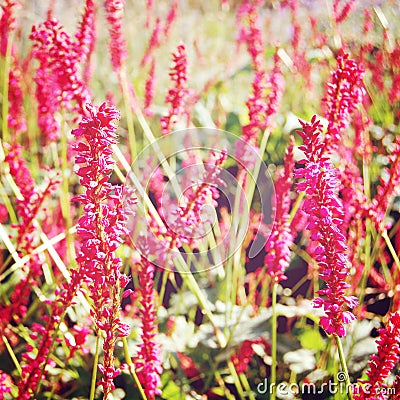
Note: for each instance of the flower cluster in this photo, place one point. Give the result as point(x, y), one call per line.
point(101, 228)
point(16, 119)
point(7, 23)
point(382, 363)
point(277, 248)
point(147, 360)
point(58, 84)
point(266, 90)
point(242, 358)
point(150, 89)
point(341, 15)
point(345, 91)
point(86, 37)
point(5, 386)
point(325, 211)
point(177, 96)
point(35, 363)
point(28, 205)
point(117, 45)
point(188, 214)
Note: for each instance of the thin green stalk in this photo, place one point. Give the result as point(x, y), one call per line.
point(94, 372)
point(367, 262)
point(274, 332)
point(296, 206)
point(132, 368)
point(239, 224)
point(245, 384)
point(163, 287)
point(128, 113)
point(392, 250)
point(12, 355)
point(236, 380)
point(344, 366)
point(65, 198)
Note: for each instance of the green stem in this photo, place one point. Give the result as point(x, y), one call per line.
point(246, 386)
point(65, 198)
point(128, 113)
point(367, 262)
point(236, 380)
point(392, 250)
point(132, 368)
point(94, 372)
point(296, 206)
point(344, 367)
point(274, 340)
point(12, 355)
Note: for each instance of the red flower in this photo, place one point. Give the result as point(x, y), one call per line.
point(58, 84)
point(177, 97)
point(344, 91)
point(382, 363)
point(117, 45)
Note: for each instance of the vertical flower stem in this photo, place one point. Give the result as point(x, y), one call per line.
point(273, 341)
point(12, 354)
point(128, 114)
point(94, 372)
point(392, 251)
point(236, 380)
point(344, 366)
point(296, 206)
point(132, 369)
point(65, 198)
point(367, 262)
point(246, 386)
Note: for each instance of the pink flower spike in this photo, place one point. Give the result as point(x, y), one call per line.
point(382, 363)
point(148, 361)
point(117, 45)
point(100, 229)
point(277, 248)
point(345, 91)
point(325, 212)
point(177, 96)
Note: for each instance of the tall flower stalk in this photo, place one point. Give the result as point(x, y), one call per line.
point(345, 91)
point(100, 230)
point(178, 95)
point(325, 211)
point(59, 85)
point(382, 363)
point(147, 360)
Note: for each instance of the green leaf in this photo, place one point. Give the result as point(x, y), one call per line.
point(312, 340)
point(172, 391)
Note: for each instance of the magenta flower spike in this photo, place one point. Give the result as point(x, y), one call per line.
point(118, 50)
point(148, 360)
point(382, 363)
point(345, 90)
point(178, 95)
point(325, 212)
point(277, 248)
point(100, 230)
